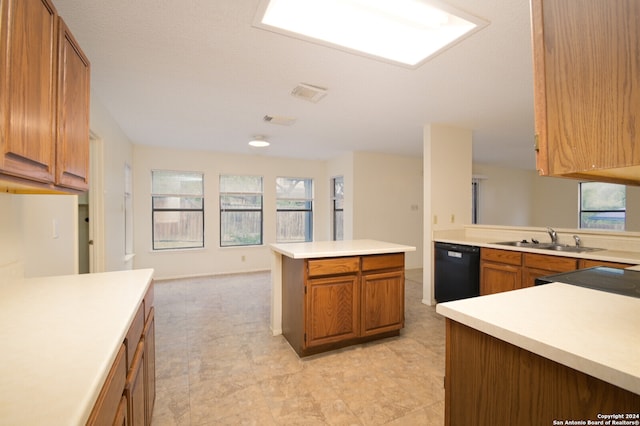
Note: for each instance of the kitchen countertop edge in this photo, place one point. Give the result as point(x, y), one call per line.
point(319, 249)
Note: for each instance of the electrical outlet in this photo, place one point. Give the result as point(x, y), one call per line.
point(453, 218)
point(435, 219)
point(243, 258)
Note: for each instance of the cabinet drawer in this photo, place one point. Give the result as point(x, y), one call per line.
point(382, 261)
point(590, 263)
point(550, 263)
point(134, 334)
point(501, 256)
point(333, 266)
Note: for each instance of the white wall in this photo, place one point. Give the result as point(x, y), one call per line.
point(11, 240)
point(387, 201)
point(118, 150)
point(50, 234)
point(213, 259)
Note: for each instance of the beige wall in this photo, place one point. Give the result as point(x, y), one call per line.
point(387, 191)
point(374, 207)
point(514, 197)
point(447, 189)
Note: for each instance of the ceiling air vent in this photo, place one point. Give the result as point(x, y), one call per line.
point(309, 92)
point(279, 119)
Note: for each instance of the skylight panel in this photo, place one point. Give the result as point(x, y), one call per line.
point(406, 32)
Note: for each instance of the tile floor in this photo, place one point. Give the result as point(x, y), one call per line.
point(218, 364)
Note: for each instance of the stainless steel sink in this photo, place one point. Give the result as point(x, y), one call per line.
point(549, 246)
point(572, 249)
point(525, 244)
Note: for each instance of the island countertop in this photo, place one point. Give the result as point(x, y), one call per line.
point(595, 332)
point(318, 249)
point(60, 336)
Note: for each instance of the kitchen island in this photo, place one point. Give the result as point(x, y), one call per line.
point(535, 355)
point(328, 294)
point(62, 337)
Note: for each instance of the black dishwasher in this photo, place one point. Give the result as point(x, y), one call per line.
point(456, 271)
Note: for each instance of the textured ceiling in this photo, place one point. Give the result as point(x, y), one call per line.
point(196, 74)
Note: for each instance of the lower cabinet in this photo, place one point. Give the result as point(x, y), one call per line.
point(539, 265)
point(500, 270)
point(335, 302)
point(505, 270)
point(128, 394)
point(332, 309)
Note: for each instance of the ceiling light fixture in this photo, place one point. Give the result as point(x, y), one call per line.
point(405, 32)
point(259, 142)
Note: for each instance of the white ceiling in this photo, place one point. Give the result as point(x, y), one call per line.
point(195, 74)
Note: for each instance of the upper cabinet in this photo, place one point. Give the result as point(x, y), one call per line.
point(72, 151)
point(44, 99)
point(587, 89)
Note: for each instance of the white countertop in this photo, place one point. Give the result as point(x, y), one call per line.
point(60, 336)
point(588, 330)
point(616, 248)
point(318, 249)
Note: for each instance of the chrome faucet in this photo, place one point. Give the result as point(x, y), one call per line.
point(578, 241)
point(553, 234)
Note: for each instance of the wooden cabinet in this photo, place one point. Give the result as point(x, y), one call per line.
point(331, 309)
point(382, 294)
point(500, 270)
point(505, 270)
point(589, 263)
point(72, 149)
point(111, 395)
point(587, 88)
point(127, 397)
point(28, 66)
point(44, 99)
point(496, 383)
point(329, 303)
point(539, 265)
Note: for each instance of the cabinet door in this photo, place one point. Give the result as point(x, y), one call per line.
point(497, 277)
point(28, 42)
point(72, 155)
point(121, 415)
point(134, 388)
point(331, 309)
point(382, 302)
point(106, 407)
point(149, 337)
point(587, 88)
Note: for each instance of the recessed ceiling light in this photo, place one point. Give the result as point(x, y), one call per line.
point(259, 142)
point(406, 32)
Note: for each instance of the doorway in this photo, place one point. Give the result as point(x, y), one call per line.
point(91, 213)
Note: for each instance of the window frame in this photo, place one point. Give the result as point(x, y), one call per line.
point(154, 210)
point(335, 209)
point(581, 211)
point(241, 210)
point(309, 201)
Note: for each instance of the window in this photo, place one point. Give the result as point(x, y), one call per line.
point(240, 210)
point(337, 208)
point(177, 209)
point(294, 217)
point(602, 206)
